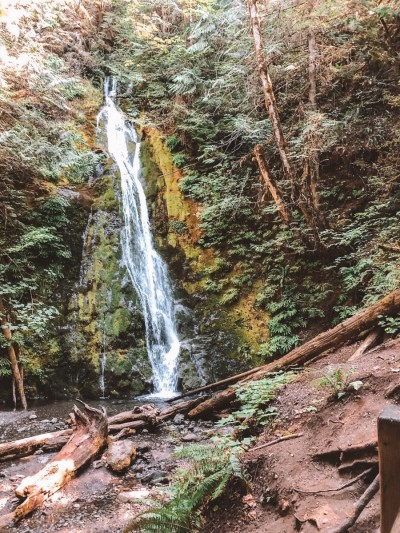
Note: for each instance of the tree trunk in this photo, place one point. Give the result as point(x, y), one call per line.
point(269, 95)
point(310, 178)
point(335, 337)
point(12, 356)
point(368, 342)
point(272, 186)
point(86, 442)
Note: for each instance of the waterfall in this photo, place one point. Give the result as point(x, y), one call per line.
point(103, 361)
point(146, 270)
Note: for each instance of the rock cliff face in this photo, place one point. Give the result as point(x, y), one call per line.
point(104, 335)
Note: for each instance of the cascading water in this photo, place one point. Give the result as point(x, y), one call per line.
point(103, 362)
point(147, 271)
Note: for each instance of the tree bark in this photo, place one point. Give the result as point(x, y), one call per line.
point(12, 356)
point(87, 440)
point(334, 337)
point(272, 186)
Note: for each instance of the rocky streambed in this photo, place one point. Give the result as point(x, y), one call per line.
point(97, 500)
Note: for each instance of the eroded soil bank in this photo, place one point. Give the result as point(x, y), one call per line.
point(286, 482)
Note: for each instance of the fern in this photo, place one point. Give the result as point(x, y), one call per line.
point(207, 472)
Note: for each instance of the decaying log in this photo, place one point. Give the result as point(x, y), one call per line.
point(367, 343)
point(48, 442)
point(138, 418)
point(181, 407)
point(359, 506)
point(85, 443)
point(136, 424)
point(146, 412)
point(335, 337)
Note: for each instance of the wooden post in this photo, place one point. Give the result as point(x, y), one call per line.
point(389, 466)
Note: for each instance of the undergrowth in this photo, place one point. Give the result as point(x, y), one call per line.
point(207, 470)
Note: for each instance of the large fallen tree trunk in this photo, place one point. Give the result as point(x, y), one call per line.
point(48, 442)
point(333, 338)
point(88, 439)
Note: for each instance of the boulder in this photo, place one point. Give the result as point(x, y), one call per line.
point(120, 455)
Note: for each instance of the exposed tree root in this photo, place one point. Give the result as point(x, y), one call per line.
point(359, 506)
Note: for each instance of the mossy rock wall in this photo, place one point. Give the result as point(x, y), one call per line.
point(104, 313)
point(226, 329)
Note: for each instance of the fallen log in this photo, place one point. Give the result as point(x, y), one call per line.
point(143, 412)
point(333, 338)
point(87, 440)
point(136, 424)
point(368, 342)
point(179, 408)
point(48, 442)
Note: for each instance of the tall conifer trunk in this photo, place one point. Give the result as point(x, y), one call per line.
point(12, 356)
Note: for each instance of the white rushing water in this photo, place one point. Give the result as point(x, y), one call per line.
point(147, 271)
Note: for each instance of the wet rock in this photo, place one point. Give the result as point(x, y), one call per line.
point(54, 420)
point(143, 447)
point(158, 476)
point(133, 495)
point(191, 437)
point(179, 419)
point(120, 455)
point(32, 417)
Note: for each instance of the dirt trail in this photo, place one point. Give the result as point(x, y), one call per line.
point(275, 506)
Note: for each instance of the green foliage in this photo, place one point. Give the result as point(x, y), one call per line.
point(335, 380)
point(255, 397)
point(178, 226)
point(390, 324)
point(207, 472)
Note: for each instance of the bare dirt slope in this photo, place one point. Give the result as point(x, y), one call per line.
point(280, 473)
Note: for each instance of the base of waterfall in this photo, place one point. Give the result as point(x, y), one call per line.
point(159, 396)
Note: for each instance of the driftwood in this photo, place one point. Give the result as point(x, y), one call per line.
point(367, 343)
point(136, 424)
point(85, 443)
point(359, 506)
point(335, 337)
point(48, 442)
point(146, 412)
point(276, 441)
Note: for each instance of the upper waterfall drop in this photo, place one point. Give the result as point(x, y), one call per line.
point(147, 271)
